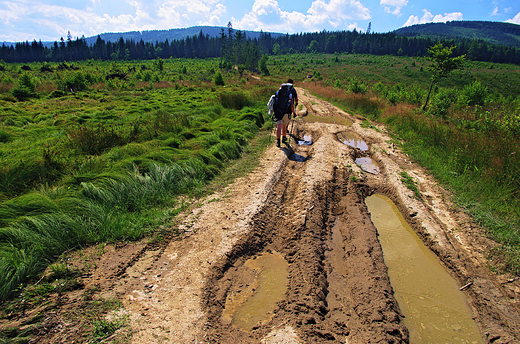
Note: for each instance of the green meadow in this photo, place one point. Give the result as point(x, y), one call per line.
point(468, 137)
point(96, 152)
point(87, 159)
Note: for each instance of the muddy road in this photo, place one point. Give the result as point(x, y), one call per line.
point(302, 208)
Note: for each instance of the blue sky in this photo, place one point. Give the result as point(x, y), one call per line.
point(49, 20)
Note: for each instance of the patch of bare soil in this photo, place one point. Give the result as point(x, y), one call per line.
point(305, 202)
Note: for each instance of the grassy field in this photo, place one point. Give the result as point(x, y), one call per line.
point(96, 159)
point(100, 151)
point(469, 137)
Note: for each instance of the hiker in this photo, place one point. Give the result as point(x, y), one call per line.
point(288, 99)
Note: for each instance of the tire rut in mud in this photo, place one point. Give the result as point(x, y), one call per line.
point(335, 266)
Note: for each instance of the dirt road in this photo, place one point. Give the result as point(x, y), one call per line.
point(306, 204)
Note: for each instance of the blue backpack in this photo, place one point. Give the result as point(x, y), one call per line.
point(282, 102)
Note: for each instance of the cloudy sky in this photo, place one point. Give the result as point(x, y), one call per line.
point(49, 20)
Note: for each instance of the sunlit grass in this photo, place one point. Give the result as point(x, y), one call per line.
point(106, 163)
point(472, 150)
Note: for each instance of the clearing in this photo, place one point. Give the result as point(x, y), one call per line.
point(302, 209)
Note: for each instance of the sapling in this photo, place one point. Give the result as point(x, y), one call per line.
point(442, 65)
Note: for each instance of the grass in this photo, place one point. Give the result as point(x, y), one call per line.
point(107, 163)
point(471, 150)
point(410, 184)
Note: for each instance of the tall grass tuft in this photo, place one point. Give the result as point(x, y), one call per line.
point(234, 100)
point(94, 140)
point(37, 227)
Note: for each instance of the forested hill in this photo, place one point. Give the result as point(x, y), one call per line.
point(492, 32)
point(170, 35)
point(248, 49)
point(153, 36)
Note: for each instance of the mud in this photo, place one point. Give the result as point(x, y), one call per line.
point(305, 203)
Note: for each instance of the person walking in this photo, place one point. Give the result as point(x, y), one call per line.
point(288, 101)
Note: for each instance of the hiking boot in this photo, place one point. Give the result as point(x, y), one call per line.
point(284, 139)
point(278, 143)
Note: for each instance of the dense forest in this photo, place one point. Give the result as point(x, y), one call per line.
point(246, 50)
point(491, 32)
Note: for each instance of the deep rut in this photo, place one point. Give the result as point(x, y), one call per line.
point(332, 279)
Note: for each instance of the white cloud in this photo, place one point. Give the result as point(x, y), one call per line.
point(91, 17)
point(428, 17)
point(354, 26)
point(515, 20)
point(268, 16)
point(12, 12)
point(398, 4)
point(181, 13)
point(494, 12)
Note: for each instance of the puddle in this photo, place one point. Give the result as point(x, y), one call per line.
point(307, 140)
point(352, 140)
point(258, 303)
point(311, 118)
point(435, 309)
point(368, 165)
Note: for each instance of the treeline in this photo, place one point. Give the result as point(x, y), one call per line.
point(233, 46)
point(491, 32)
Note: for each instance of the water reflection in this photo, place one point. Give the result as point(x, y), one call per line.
point(435, 309)
point(368, 165)
point(268, 289)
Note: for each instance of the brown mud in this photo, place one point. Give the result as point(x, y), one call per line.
point(305, 203)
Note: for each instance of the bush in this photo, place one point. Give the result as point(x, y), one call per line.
point(22, 93)
point(78, 81)
point(474, 94)
point(218, 79)
point(356, 86)
point(441, 104)
point(95, 140)
point(26, 87)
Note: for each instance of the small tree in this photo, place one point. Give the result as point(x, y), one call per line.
point(263, 65)
point(218, 79)
point(26, 87)
point(442, 65)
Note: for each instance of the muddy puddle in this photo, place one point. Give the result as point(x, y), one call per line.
point(435, 309)
point(368, 165)
point(256, 303)
point(311, 118)
point(352, 140)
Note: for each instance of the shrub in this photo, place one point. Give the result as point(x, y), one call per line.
point(147, 76)
point(95, 140)
point(473, 94)
point(218, 79)
point(22, 93)
point(441, 104)
point(356, 86)
point(7, 79)
point(26, 87)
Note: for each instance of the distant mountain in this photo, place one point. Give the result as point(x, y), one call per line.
point(172, 34)
point(492, 32)
point(153, 36)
